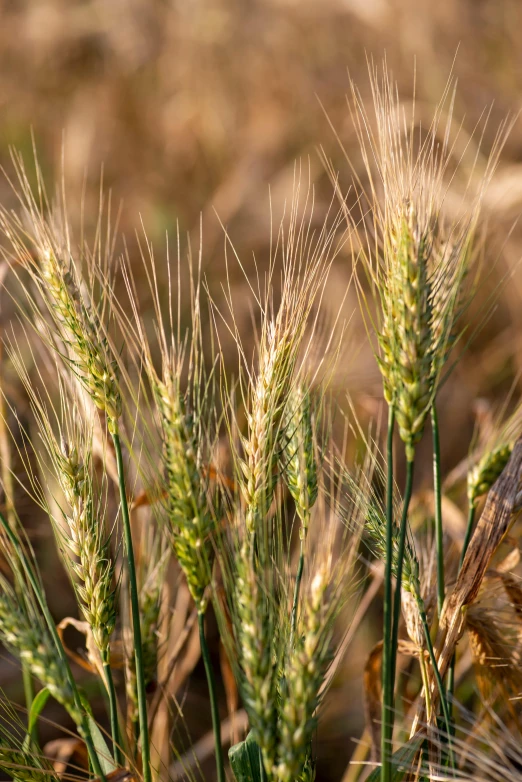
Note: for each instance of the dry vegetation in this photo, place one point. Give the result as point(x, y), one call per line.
point(193, 429)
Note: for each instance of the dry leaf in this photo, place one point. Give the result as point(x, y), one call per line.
point(93, 663)
point(372, 682)
point(229, 682)
point(491, 529)
point(62, 752)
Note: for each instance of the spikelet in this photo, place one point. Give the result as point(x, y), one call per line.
point(483, 475)
point(269, 394)
point(304, 674)
point(299, 463)
point(23, 633)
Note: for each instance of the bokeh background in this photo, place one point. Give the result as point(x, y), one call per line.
point(194, 109)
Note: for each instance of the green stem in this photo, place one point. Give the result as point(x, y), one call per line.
point(387, 680)
point(297, 589)
point(29, 696)
point(83, 725)
point(216, 723)
point(113, 710)
point(262, 772)
point(439, 535)
point(398, 576)
point(7, 485)
point(135, 612)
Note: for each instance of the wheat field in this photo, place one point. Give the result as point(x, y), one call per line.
point(260, 419)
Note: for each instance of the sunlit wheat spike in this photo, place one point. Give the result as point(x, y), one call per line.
point(268, 397)
point(416, 257)
point(82, 333)
point(87, 540)
point(485, 472)
point(492, 453)
point(80, 527)
point(286, 334)
point(42, 243)
point(183, 406)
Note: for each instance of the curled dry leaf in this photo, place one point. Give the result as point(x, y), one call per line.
point(513, 590)
point(231, 690)
point(372, 681)
point(494, 653)
point(491, 529)
point(65, 751)
point(92, 662)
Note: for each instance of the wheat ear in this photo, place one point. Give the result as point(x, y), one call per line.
point(300, 472)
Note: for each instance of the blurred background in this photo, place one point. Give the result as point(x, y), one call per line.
point(193, 109)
